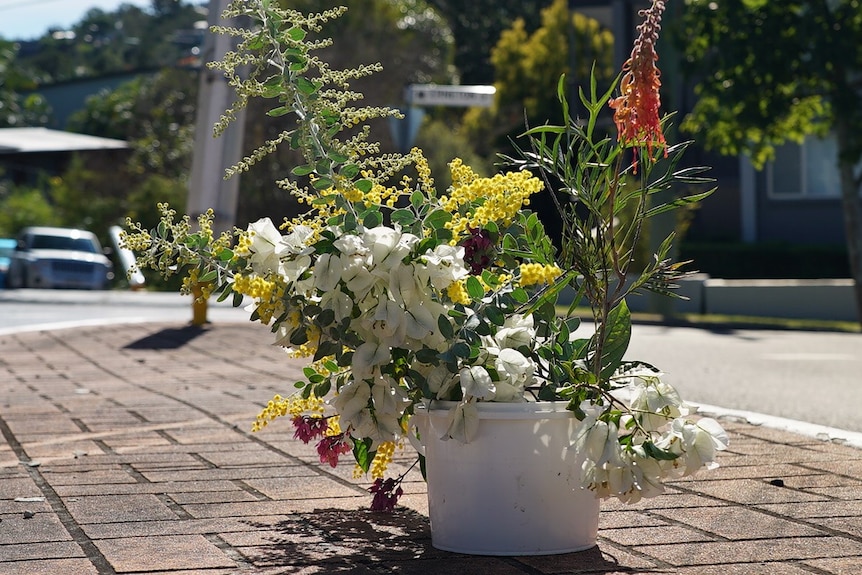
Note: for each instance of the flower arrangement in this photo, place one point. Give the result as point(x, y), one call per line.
point(400, 294)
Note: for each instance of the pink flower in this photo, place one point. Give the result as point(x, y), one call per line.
point(386, 494)
point(332, 446)
point(308, 427)
point(479, 251)
point(636, 110)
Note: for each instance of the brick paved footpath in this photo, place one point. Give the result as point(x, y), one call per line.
point(127, 450)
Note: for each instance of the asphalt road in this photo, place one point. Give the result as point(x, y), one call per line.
point(814, 377)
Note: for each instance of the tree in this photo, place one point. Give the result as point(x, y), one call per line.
point(477, 26)
point(527, 70)
point(17, 110)
point(773, 72)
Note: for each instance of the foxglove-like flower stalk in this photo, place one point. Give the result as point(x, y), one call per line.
point(636, 110)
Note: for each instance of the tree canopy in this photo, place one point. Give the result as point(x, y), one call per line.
point(772, 72)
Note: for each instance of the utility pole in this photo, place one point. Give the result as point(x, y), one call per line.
point(208, 187)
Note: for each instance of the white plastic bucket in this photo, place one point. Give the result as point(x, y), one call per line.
point(514, 489)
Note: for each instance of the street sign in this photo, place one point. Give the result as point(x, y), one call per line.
point(454, 96)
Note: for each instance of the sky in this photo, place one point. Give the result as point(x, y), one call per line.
point(29, 19)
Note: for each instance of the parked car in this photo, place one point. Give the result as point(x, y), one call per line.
point(58, 258)
point(7, 246)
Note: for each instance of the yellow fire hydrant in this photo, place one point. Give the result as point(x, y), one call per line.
point(199, 305)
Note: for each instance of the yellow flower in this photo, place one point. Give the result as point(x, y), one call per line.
point(532, 274)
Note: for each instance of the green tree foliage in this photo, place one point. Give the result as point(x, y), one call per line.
point(477, 26)
point(528, 66)
point(22, 206)
point(17, 110)
point(771, 72)
point(128, 38)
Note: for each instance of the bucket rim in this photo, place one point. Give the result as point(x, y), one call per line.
point(502, 410)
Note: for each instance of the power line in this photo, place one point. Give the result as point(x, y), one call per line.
point(20, 4)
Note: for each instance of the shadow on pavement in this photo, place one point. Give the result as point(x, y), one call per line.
point(169, 338)
point(363, 542)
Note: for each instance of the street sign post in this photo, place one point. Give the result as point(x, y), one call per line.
point(453, 96)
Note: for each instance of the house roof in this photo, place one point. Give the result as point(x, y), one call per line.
point(35, 140)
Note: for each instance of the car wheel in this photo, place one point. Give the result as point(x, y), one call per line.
point(13, 280)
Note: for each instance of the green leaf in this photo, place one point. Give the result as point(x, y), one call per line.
point(302, 170)
point(417, 199)
point(306, 86)
point(208, 277)
point(279, 111)
point(445, 326)
point(495, 315)
point(322, 183)
point(362, 453)
point(372, 219)
point(403, 216)
point(237, 299)
point(474, 288)
point(437, 219)
point(364, 186)
point(350, 171)
point(657, 453)
point(272, 87)
point(618, 332)
point(296, 34)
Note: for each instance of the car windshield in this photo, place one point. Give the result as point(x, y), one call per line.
point(6, 249)
point(63, 243)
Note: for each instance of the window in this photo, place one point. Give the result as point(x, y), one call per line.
point(805, 171)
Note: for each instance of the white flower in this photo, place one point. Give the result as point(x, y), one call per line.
point(266, 246)
point(297, 240)
point(339, 302)
point(348, 244)
point(462, 424)
point(654, 402)
point(292, 270)
point(441, 381)
point(388, 324)
point(476, 382)
point(697, 442)
point(327, 272)
point(351, 401)
point(515, 371)
point(387, 246)
point(404, 285)
point(443, 265)
point(356, 276)
point(516, 331)
point(367, 357)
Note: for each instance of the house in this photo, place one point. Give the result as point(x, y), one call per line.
point(794, 201)
point(25, 153)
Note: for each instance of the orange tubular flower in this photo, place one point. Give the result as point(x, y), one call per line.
point(636, 110)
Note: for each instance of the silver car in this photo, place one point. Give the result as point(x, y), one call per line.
point(58, 258)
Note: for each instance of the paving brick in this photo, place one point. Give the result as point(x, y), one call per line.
point(163, 553)
point(41, 527)
point(49, 567)
point(654, 535)
point(752, 551)
point(604, 558)
point(39, 551)
point(752, 491)
point(838, 566)
point(738, 523)
point(757, 568)
point(168, 487)
point(119, 508)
